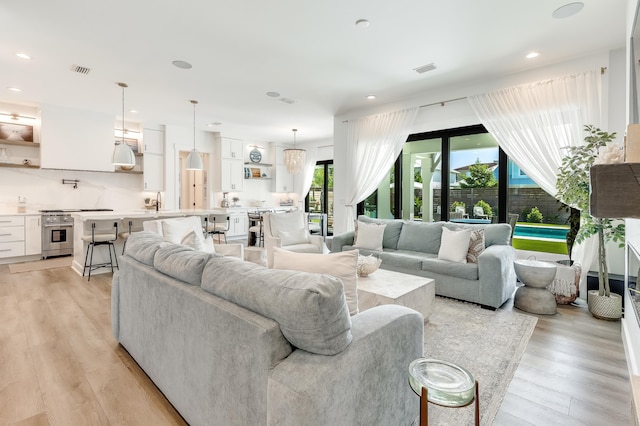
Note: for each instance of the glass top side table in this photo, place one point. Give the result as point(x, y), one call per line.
point(442, 383)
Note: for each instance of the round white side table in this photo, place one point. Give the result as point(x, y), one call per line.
point(442, 383)
point(534, 296)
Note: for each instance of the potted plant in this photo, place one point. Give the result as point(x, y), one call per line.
point(573, 188)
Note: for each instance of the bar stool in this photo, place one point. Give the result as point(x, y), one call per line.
point(218, 224)
point(256, 227)
point(125, 235)
point(100, 239)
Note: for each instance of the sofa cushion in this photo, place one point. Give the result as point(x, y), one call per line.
point(342, 265)
point(311, 309)
point(468, 271)
point(142, 246)
point(303, 248)
point(409, 260)
point(181, 262)
point(420, 236)
point(391, 232)
point(454, 245)
point(369, 235)
point(494, 234)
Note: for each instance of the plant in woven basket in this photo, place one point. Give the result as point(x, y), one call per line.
point(573, 188)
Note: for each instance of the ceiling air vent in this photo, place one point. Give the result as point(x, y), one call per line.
point(425, 68)
point(287, 100)
point(80, 70)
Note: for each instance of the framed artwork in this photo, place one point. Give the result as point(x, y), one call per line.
point(16, 132)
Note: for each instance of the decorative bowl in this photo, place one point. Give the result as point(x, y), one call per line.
point(368, 265)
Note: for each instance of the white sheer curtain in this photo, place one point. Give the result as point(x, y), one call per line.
point(373, 144)
point(533, 122)
point(302, 182)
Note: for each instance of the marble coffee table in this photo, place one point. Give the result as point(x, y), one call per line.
point(388, 287)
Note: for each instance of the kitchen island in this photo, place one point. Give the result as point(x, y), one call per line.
point(105, 221)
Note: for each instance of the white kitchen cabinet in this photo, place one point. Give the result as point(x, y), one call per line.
point(231, 176)
point(238, 227)
point(282, 180)
point(153, 173)
point(231, 149)
point(153, 141)
point(11, 236)
point(32, 235)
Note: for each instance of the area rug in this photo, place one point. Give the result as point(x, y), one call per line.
point(489, 344)
point(38, 265)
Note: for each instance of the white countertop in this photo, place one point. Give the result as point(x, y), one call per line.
point(151, 214)
point(15, 213)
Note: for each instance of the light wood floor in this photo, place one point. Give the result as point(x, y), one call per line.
point(59, 364)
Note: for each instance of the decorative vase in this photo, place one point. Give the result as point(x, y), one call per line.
point(603, 307)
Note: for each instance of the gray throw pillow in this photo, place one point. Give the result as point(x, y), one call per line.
point(311, 309)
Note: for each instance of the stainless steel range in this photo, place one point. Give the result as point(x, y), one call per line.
point(57, 233)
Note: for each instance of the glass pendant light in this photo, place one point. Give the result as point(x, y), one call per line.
point(122, 153)
point(294, 157)
point(194, 160)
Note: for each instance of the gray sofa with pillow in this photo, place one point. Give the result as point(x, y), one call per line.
point(413, 248)
point(233, 343)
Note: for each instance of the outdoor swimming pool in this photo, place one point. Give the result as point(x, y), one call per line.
point(540, 232)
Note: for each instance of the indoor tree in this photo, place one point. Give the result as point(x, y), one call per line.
point(573, 188)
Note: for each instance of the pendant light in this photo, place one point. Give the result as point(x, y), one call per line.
point(122, 153)
point(194, 160)
point(294, 157)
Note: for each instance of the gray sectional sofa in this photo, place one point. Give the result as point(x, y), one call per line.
point(233, 343)
point(412, 247)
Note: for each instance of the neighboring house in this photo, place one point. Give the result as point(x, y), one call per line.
point(518, 178)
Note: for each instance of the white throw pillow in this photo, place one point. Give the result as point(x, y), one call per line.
point(369, 235)
point(289, 238)
point(196, 241)
point(454, 245)
point(342, 265)
point(174, 230)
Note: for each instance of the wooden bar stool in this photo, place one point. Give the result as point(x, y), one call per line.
point(100, 239)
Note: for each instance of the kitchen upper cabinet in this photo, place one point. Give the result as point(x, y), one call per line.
point(32, 235)
point(231, 149)
point(282, 180)
point(231, 175)
point(76, 139)
point(153, 159)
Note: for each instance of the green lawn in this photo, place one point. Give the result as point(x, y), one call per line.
point(537, 245)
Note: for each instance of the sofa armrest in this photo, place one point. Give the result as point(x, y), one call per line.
point(318, 241)
point(230, 250)
point(269, 243)
point(345, 239)
point(366, 384)
point(497, 275)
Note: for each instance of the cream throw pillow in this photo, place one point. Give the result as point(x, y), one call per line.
point(342, 265)
point(454, 245)
point(196, 241)
point(175, 229)
point(369, 235)
point(289, 238)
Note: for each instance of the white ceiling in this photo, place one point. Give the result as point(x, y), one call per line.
point(310, 52)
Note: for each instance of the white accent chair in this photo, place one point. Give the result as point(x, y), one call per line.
point(478, 213)
point(289, 231)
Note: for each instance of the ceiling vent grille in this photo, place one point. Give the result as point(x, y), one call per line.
point(287, 100)
point(425, 68)
point(80, 70)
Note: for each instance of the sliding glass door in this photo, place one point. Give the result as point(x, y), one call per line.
point(320, 197)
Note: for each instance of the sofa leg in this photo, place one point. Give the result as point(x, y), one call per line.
point(490, 308)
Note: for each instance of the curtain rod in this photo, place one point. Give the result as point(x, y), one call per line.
point(441, 103)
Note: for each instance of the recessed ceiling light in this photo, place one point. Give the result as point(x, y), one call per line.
point(133, 111)
point(287, 100)
point(23, 56)
point(215, 123)
point(371, 96)
point(273, 94)
point(182, 64)
point(567, 10)
point(424, 68)
point(362, 23)
point(14, 89)
point(532, 55)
